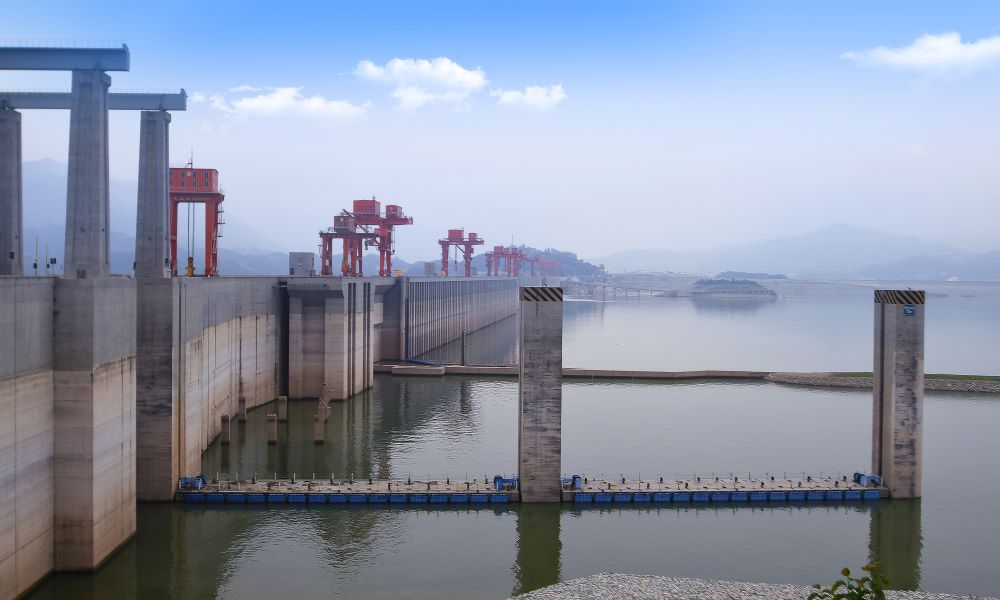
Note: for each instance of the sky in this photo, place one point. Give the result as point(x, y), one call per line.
point(591, 127)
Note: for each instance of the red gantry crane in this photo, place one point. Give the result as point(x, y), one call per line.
point(367, 213)
point(189, 185)
point(360, 230)
point(456, 237)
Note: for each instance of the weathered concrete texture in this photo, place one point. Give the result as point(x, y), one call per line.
point(228, 349)
point(152, 226)
point(11, 222)
point(94, 391)
point(26, 433)
point(438, 311)
point(897, 432)
point(539, 430)
point(334, 336)
point(87, 251)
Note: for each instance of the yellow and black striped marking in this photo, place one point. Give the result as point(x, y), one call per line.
point(899, 296)
point(542, 294)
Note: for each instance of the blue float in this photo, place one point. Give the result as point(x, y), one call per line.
point(418, 498)
point(357, 498)
point(871, 495)
point(852, 495)
point(215, 497)
point(699, 496)
point(661, 496)
point(796, 496)
point(498, 499)
point(337, 498)
point(758, 496)
point(458, 498)
point(378, 498)
point(834, 495)
point(296, 498)
point(720, 496)
point(777, 496)
point(583, 498)
point(479, 498)
point(681, 496)
point(641, 497)
point(397, 498)
point(256, 498)
point(195, 497)
point(317, 498)
point(439, 498)
point(602, 497)
point(236, 498)
point(814, 495)
point(622, 497)
point(276, 498)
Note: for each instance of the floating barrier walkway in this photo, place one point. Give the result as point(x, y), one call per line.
point(578, 491)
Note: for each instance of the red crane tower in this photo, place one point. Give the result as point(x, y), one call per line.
point(456, 237)
point(367, 213)
point(189, 185)
point(355, 240)
point(512, 258)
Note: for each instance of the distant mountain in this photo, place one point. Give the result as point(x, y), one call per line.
point(834, 251)
point(951, 266)
point(745, 275)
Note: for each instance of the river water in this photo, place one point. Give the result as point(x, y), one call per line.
point(465, 427)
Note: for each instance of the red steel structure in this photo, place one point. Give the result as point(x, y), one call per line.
point(456, 237)
point(368, 213)
point(189, 185)
point(354, 243)
point(512, 258)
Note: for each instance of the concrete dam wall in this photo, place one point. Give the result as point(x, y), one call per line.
point(112, 387)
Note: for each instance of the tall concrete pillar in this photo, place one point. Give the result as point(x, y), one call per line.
point(897, 433)
point(11, 224)
point(87, 204)
point(152, 227)
point(539, 428)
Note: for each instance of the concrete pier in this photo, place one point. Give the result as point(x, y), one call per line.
point(272, 429)
point(319, 429)
point(283, 408)
point(898, 393)
point(152, 227)
point(226, 433)
point(11, 207)
point(87, 252)
point(539, 429)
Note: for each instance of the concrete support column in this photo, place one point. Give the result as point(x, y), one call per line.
point(158, 453)
point(152, 226)
point(897, 433)
point(319, 428)
point(272, 429)
point(95, 427)
point(539, 427)
point(11, 224)
point(226, 433)
point(87, 205)
point(282, 408)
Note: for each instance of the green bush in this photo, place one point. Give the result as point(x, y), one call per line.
point(870, 587)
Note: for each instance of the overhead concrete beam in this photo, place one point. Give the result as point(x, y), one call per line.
point(22, 58)
point(116, 101)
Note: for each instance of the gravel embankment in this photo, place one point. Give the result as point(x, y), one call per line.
point(612, 585)
point(937, 385)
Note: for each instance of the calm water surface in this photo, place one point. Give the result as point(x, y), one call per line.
point(462, 427)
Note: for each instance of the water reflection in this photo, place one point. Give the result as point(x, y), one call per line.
point(539, 547)
point(493, 345)
point(896, 542)
point(730, 307)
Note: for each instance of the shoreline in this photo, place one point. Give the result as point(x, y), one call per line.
point(617, 585)
point(810, 379)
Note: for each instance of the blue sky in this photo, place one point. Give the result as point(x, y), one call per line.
point(593, 127)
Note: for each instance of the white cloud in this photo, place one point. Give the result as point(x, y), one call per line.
point(421, 81)
point(533, 97)
point(196, 97)
point(245, 88)
point(933, 54)
point(288, 101)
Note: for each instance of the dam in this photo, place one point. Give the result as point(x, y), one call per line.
point(112, 388)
